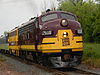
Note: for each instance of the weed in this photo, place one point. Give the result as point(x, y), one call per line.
point(2, 59)
point(91, 54)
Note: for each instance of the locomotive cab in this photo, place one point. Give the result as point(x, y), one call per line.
point(51, 22)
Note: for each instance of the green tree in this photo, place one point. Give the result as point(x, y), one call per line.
point(98, 1)
point(5, 33)
point(89, 17)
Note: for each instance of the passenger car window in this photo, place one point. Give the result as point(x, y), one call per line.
point(68, 16)
point(49, 17)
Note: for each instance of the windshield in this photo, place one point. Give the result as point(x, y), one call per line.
point(67, 16)
point(49, 17)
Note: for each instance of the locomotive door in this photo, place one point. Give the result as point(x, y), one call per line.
point(36, 33)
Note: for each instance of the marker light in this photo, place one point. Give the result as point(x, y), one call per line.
point(47, 32)
point(79, 31)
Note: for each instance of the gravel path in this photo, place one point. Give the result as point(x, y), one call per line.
point(23, 69)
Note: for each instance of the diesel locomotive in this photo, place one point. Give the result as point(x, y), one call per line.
point(53, 39)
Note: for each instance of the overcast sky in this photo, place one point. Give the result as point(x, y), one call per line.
point(15, 12)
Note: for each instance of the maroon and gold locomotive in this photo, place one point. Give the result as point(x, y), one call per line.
point(53, 39)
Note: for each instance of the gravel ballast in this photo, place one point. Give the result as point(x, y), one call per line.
point(15, 67)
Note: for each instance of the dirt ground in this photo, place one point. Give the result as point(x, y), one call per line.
point(6, 70)
point(14, 67)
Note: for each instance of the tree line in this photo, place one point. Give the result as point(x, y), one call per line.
point(88, 14)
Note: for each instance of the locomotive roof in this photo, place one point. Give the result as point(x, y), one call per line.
point(58, 12)
point(32, 20)
point(24, 24)
point(13, 29)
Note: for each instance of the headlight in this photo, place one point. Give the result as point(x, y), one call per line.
point(47, 32)
point(65, 34)
point(64, 22)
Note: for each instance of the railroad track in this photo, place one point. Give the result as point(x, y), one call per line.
point(89, 72)
point(60, 71)
point(78, 71)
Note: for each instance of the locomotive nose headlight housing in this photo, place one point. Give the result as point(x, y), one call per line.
point(79, 31)
point(65, 34)
point(47, 32)
point(64, 22)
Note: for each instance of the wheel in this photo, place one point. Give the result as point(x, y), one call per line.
point(35, 57)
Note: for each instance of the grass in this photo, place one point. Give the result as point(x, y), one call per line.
point(2, 59)
point(91, 55)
